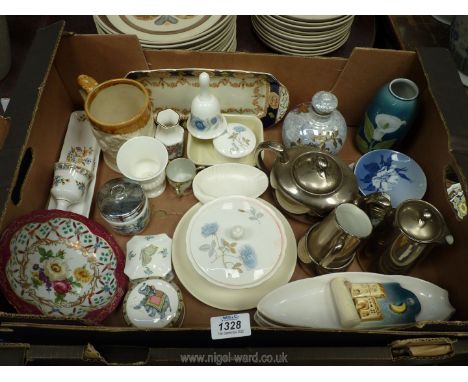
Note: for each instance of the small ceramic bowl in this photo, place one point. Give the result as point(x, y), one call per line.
point(391, 172)
point(70, 184)
point(149, 256)
point(154, 304)
point(237, 141)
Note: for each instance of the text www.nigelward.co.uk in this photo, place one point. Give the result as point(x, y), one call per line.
point(234, 358)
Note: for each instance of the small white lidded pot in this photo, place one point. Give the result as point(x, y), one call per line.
point(70, 184)
point(149, 256)
point(154, 304)
point(124, 205)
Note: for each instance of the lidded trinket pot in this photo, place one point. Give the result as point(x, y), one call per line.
point(123, 204)
point(317, 123)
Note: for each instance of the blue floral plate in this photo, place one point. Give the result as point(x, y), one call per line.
point(391, 172)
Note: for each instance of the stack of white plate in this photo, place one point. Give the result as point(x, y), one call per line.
point(215, 33)
point(303, 35)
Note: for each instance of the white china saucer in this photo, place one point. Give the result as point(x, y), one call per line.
point(210, 133)
point(224, 298)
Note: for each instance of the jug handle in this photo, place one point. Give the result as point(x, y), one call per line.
point(331, 254)
point(87, 84)
point(276, 147)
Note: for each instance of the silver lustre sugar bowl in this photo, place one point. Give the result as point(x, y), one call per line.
point(123, 204)
point(317, 124)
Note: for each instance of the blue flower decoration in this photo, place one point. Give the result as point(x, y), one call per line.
point(383, 176)
point(209, 229)
point(248, 256)
point(239, 129)
point(198, 123)
point(214, 120)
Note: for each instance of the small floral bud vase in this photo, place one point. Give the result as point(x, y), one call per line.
point(389, 116)
point(170, 133)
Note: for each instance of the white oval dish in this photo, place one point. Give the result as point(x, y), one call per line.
point(309, 302)
point(224, 298)
point(229, 179)
point(237, 141)
point(226, 242)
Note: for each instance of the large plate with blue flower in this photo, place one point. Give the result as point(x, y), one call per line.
point(392, 172)
point(235, 242)
point(58, 263)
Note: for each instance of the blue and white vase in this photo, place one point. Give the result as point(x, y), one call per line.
point(389, 116)
point(459, 46)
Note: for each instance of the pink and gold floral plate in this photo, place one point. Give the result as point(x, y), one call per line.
point(59, 263)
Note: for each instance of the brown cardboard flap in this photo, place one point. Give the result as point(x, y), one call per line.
point(102, 57)
point(4, 129)
point(23, 106)
point(366, 71)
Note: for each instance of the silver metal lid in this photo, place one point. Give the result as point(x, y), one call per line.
point(120, 200)
point(324, 102)
point(420, 220)
point(317, 173)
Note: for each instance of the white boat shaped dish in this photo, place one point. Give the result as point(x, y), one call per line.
point(236, 141)
point(226, 242)
point(203, 153)
point(225, 298)
point(149, 256)
point(379, 302)
point(81, 148)
point(239, 92)
point(229, 179)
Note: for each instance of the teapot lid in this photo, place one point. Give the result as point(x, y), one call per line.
point(420, 220)
point(317, 173)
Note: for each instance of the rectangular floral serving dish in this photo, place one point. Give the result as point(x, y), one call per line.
point(238, 91)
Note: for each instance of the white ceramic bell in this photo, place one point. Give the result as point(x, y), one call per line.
point(206, 120)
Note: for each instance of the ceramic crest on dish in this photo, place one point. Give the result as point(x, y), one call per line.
point(391, 172)
point(58, 263)
point(236, 141)
point(357, 300)
point(229, 179)
point(226, 242)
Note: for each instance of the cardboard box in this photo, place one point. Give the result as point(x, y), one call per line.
point(32, 138)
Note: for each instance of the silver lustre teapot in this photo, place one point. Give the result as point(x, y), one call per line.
point(308, 182)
